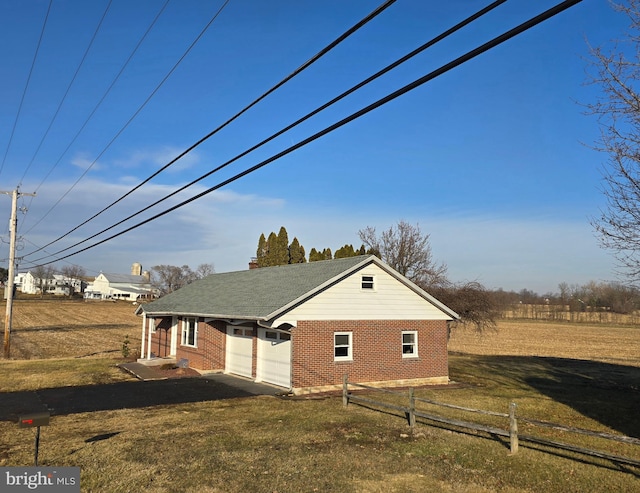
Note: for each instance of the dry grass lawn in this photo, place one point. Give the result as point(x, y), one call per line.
point(579, 375)
point(65, 329)
point(607, 343)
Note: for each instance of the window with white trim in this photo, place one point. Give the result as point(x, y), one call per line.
point(367, 282)
point(190, 332)
point(152, 325)
point(409, 344)
point(343, 346)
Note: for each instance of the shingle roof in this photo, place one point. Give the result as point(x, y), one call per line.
point(258, 294)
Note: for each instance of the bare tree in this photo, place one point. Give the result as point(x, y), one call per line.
point(617, 72)
point(73, 276)
point(204, 270)
point(406, 249)
point(476, 305)
point(43, 275)
point(168, 278)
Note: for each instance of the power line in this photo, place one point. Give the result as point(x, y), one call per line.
point(26, 86)
point(95, 108)
point(64, 97)
point(298, 70)
point(135, 114)
point(380, 102)
point(378, 74)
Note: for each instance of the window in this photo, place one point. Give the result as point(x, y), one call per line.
point(342, 347)
point(367, 282)
point(190, 332)
point(409, 344)
point(243, 331)
point(152, 325)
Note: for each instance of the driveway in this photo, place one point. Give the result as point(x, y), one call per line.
point(127, 395)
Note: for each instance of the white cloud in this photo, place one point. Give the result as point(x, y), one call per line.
point(157, 158)
point(83, 161)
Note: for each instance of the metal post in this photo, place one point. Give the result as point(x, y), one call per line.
point(37, 446)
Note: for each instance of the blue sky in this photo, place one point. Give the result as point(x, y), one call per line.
point(492, 159)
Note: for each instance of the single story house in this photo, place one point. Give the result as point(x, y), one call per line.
point(304, 326)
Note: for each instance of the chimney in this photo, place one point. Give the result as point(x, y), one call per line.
point(253, 263)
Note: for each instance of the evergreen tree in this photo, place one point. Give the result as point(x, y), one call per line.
point(296, 252)
point(345, 251)
point(314, 255)
point(261, 253)
point(272, 247)
point(281, 253)
point(326, 254)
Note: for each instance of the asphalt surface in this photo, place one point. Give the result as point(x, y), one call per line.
point(128, 395)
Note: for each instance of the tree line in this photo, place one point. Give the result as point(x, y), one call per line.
point(275, 249)
point(592, 296)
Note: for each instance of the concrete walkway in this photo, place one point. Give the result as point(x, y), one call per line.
point(141, 372)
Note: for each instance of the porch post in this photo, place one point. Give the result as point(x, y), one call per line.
point(144, 330)
point(149, 344)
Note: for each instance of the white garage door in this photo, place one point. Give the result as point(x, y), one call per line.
point(239, 354)
point(274, 358)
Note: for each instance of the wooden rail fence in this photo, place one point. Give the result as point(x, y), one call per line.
point(510, 431)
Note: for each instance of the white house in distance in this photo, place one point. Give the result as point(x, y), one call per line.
point(131, 287)
point(57, 284)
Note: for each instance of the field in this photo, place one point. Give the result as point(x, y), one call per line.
point(586, 376)
point(72, 329)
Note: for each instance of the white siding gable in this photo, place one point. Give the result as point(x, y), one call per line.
point(389, 300)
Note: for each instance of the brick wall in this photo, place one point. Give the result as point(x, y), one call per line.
point(209, 355)
point(160, 339)
point(377, 352)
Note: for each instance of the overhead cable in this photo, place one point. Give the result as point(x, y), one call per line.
point(378, 74)
point(26, 86)
point(64, 97)
point(135, 114)
point(298, 70)
point(380, 102)
point(95, 108)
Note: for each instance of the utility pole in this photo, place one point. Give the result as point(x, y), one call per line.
point(13, 229)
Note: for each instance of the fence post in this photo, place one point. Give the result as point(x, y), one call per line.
point(345, 390)
point(412, 410)
point(513, 428)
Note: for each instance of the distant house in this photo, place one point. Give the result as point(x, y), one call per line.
point(27, 283)
point(303, 326)
point(57, 284)
point(130, 287)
